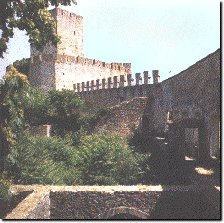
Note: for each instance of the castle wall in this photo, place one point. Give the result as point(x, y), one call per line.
point(110, 97)
point(124, 118)
point(59, 67)
point(114, 90)
point(70, 29)
point(194, 90)
point(42, 72)
point(70, 70)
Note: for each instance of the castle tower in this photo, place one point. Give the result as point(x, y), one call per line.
point(69, 27)
point(63, 66)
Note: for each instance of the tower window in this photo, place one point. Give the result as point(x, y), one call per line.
point(74, 32)
point(70, 14)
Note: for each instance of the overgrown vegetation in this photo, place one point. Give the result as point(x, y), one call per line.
point(22, 66)
point(72, 155)
point(13, 89)
point(97, 159)
point(31, 16)
point(4, 194)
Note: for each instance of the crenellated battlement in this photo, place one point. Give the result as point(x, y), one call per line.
point(58, 12)
point(123, 67)
point(116, 82)
point(64, 66)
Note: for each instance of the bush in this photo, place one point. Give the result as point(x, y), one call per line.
point(64, 111)
point(88, 120)
point(4, 195)
point(107, 159)
point(41, 160)
point(96, 159)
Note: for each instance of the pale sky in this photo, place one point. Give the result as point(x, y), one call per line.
point(168, 35)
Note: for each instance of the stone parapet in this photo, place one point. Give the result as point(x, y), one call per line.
point(114, 82)
point(94, 202)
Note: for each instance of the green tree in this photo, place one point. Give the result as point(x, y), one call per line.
point(36, 105)
point(64, 110)
point(29, 15)
point(22, 66)
point(12, 91)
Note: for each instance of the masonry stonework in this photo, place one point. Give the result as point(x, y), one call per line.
point(107, 202)
point(63, 66)
point(190, 97)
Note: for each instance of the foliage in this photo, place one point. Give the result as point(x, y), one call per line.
point(4, 189)
point(64, 110)
point(5, 196)
point(36, 107)
point(41, 160)
point(96, 159)
point(107, 159)
point(29, 15)
point(22, 66)
point(12, 92)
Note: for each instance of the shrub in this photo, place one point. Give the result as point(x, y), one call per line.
point(89, 119)
point(4, 195)
point(107, 159)
point(40, 160)
point(36, 107)
point(77, 159)
point(64, 111)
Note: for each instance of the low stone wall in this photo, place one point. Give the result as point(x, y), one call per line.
point(97, 202)
point(41, 130)
point(34, 206)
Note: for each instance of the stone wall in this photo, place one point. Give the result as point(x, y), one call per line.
point(104, 202)
point(192, 96)
point(111, 91)
point(110, 97)
point(192, 93)
point(42, 72)
point(41, 130)
point(63, 66)
point(70, 70)
point(70, 29)
point(125, 118)
point(98, 204)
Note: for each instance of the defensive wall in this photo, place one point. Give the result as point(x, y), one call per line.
point(63, 72)
point(191, 97)
point(108, 92)
point(106, 202)
point(193, 94)
point(62, 66)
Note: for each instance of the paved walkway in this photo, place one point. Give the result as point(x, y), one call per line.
point(206, 178)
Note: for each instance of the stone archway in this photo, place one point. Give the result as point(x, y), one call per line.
point(123, 213)
point(194, 123)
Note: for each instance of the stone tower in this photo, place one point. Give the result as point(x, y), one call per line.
point(63, 66)
point(69, 27)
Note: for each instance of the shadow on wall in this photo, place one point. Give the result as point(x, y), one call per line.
point(169, 206)
point(184, 205)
